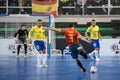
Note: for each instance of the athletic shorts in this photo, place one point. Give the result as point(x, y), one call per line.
point(74, 51)
point(96, 43)
point(22, 39)
point(39, 45)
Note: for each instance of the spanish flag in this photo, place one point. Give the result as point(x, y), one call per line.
point(44, 7)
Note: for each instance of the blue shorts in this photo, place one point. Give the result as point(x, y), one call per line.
point(39, 45)
point(74, 51)
point(96, 43)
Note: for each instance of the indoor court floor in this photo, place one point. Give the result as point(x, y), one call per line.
point(59, 68)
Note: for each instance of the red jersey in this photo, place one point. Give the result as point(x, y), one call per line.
point(71, 36)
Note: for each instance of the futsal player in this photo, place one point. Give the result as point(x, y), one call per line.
point(72, 41)
point(39, 43)
point(94, 37)
point(22, 36)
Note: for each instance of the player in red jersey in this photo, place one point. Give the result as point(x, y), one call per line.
point(72, 40)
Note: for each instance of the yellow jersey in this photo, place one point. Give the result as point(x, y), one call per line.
point(38, 32)
point(94, 32)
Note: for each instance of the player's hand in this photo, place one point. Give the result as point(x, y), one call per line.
point(100, 38)
point(15, 39)
point(89, 40)
point(45, 41)
point(30, 41)
point(44, 28)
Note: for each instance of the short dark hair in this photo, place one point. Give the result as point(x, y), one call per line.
point(22, 25)
point(93, 20)
point(39, 20)
point(71, 25)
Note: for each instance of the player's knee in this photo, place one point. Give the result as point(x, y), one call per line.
point(40, 52)
point(96, 48)
point(44, 51)
point(19, 46)
point(25, 45)
point(79, 48)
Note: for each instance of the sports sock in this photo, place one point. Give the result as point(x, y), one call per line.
point(39, 58)
point(81, 66)
point(96, 54)
point(44, 59)
point(92, 53)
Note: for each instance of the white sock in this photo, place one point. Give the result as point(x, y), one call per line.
point(92, 53)
point(39, 58)
point(96, 54)
point(44, 59)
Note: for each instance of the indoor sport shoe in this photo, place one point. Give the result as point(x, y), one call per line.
point(45, 66)
point(25, 55)
point(83, 70)
point(39, 66)
point(97, 59)
point(17, 56)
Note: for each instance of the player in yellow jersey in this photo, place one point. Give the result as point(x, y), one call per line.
point(39, 42)
point(94, 37)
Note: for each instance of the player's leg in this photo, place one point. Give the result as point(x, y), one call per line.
point(96, 51)
point(25, 48)
point(74, 54)
point(44, 58)
point(44, 54)
point(80, 65)
point(91, 55)
point(82, 51)
point(18, 49)
point(39, 55)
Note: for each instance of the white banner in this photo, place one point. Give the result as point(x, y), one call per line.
point(109, 47)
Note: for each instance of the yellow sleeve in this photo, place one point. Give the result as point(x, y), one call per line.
point(30, 32)
point(98, 29)
point(88, 30)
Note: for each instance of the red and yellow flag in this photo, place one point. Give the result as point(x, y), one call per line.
point(44, 7)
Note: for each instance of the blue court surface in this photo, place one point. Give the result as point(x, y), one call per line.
point(59, 68)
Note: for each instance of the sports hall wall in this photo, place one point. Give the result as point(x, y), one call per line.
point(109, 47)
point(108, 44)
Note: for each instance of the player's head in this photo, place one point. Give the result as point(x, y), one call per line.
point(23, 27)
point(93, 22)
point(71, 25)
point(39, 22)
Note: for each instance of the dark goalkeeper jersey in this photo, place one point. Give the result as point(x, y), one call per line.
point(21, 33)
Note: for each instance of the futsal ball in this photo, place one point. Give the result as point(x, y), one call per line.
point(93, 69)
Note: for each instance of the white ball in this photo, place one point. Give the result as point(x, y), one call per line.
point(93, 69)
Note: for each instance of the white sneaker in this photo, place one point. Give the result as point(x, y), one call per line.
point(45, 66)
point(40, 66)
point(97, 59)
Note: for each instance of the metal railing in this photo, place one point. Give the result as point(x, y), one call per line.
point(70, 7)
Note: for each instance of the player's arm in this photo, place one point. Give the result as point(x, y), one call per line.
point(44, 38)
point(86, 33)
point(53, 29)
point(30, 35)
point(83, 38)
point(26, 32)
point(16, 35)
point(100, 37)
